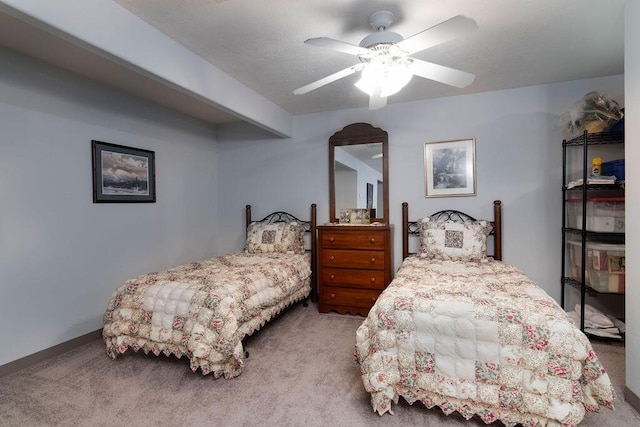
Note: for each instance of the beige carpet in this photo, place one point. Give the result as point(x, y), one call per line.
point(300, 372)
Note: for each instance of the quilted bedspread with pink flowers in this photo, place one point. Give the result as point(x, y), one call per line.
point(203, 310)
point(480, 339)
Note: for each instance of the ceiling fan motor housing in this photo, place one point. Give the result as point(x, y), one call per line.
point(380, 21)
point(381, 37)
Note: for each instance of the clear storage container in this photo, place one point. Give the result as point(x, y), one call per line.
point(604, 214)
point(604, 265)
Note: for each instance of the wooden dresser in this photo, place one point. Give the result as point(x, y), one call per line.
point(354, 266)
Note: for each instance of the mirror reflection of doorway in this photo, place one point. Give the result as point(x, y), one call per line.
point(346, 191)
point(380, 192)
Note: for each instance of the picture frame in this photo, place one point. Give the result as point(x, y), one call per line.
point(122, 174)
point(450, 168)
point(354, 216)
point(369, 195)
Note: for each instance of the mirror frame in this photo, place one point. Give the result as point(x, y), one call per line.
point(354, 134)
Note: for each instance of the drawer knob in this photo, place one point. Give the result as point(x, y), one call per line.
point(332, 296)
point(331, 238)
point(332, 258)
point(373, 260)
point(331, 277)
point(373, 299)
point(372, 240)
point(373, 280)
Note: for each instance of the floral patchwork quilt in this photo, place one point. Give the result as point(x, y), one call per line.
point(203, 310)
point(480, 339)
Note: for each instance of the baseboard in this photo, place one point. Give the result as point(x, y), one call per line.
point(56, 350)
point(632, 399)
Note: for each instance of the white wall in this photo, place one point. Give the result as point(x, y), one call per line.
point(518, 160)
point(61, 255)
point(632, 196)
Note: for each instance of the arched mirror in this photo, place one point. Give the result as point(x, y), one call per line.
point(359, 171)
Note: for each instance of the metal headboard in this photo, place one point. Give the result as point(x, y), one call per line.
point(282, 217)
point(412, 228)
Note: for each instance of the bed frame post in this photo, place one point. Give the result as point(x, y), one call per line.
point(405, 230)
point(497, 234)
point(247, 216)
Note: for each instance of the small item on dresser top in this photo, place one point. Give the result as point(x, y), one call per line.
point(354, 216)
point(359, 216)
point(345, 216)
point(596, 166)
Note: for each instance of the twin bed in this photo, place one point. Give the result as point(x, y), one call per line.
point(456, 328)
point(465, 332)
point(204, 310)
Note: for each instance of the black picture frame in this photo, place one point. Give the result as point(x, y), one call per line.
point(450, 168)
point(122, 174)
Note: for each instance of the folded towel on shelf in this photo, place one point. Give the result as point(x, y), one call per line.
point(603, 333)
point(619, 324)
point(597, 323)
point(593, 179)
point(595, 317)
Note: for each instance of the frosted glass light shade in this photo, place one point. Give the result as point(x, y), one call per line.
point(389, 75)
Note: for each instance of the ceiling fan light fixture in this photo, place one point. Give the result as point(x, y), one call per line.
point(385, 61)
point(385, 76)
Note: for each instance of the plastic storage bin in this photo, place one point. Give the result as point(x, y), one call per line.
point(605, 266)
point(614, 167)
point(604, 214)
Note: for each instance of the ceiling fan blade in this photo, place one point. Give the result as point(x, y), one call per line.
point(441, 74)
point(338, 45)
point(443, 32)
point(329, 79)
point(376, 100)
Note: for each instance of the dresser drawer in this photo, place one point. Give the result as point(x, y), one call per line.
point(354, 267)
point(352, 259)
point(348, 239)
point(349, 297)
point(370, 279)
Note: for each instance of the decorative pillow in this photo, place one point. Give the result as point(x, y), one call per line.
point(452, 240)
point(279, 237)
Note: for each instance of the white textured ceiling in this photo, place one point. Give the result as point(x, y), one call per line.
point(260, 43)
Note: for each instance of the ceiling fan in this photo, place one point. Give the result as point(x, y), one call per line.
point(384, 58)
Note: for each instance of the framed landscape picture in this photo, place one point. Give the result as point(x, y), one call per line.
point(450, 168)
point(122, 174)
